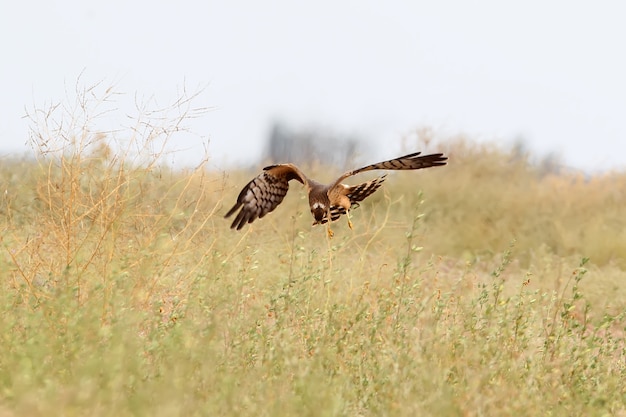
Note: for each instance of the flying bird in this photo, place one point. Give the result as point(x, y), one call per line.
point(266, 191)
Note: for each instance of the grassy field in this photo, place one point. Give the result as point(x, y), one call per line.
point(486, 287)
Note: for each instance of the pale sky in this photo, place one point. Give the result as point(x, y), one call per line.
point(552, 72)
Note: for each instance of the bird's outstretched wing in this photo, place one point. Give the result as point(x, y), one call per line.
point(355, 193)
point(264, 193)
point(406, 162)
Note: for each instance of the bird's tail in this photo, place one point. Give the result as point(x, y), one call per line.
point(355, 193)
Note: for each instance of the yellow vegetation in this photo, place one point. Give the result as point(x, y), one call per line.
point(463, 290)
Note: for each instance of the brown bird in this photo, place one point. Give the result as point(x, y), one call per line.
point(266, 191)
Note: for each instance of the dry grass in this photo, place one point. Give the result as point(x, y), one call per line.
point(464, 290)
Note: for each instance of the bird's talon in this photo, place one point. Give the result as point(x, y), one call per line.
point(350, 225)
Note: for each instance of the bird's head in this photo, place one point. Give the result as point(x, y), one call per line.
point(318, 210)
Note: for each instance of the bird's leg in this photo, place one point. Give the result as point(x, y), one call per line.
point(349, 222)
point(328, 229)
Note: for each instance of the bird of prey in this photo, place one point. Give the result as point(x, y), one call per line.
point(327, 202)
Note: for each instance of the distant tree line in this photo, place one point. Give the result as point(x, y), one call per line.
point(310, 145)
point(315, 144)
point(546, 164)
